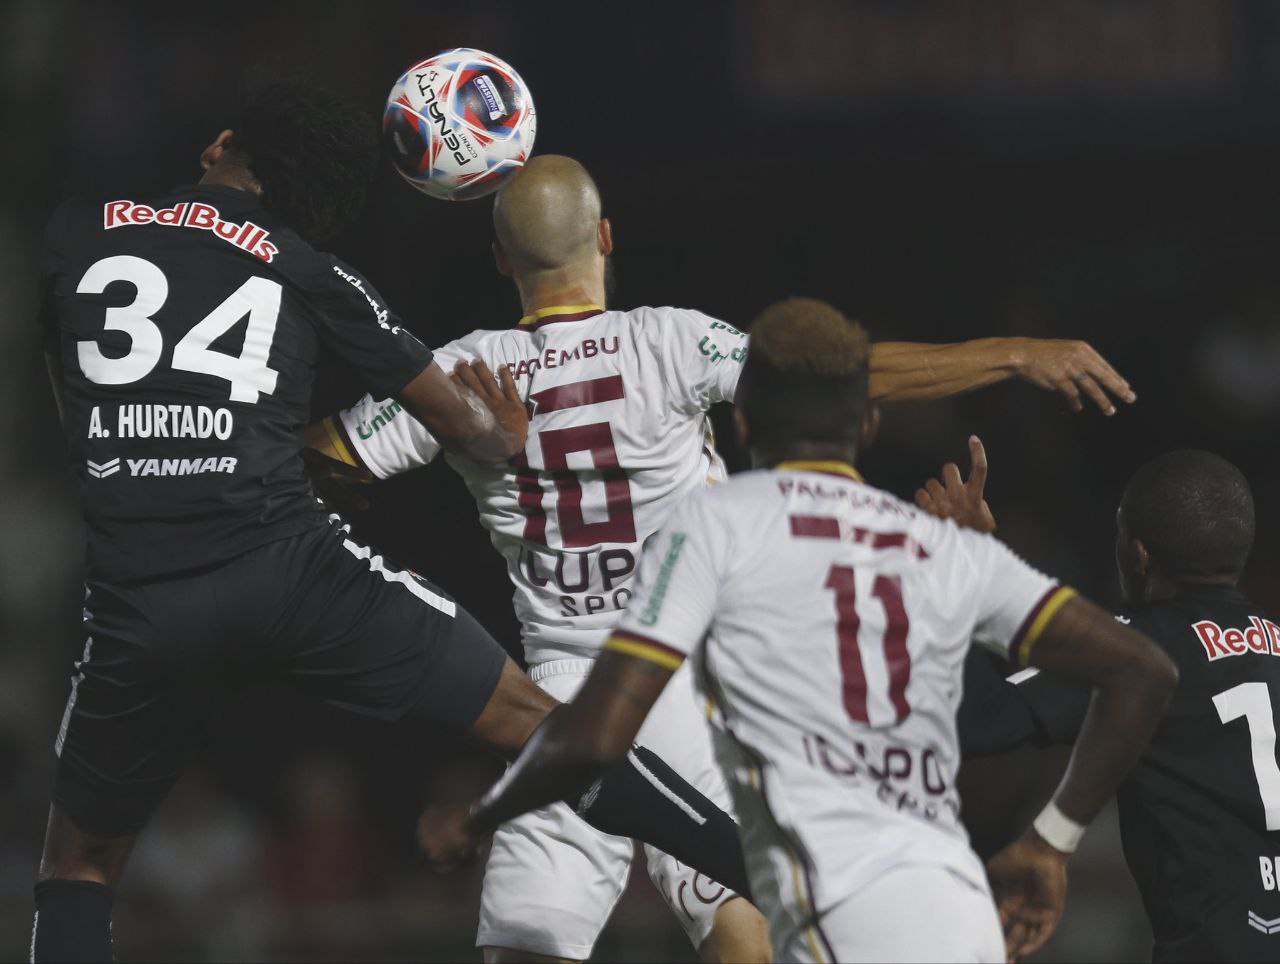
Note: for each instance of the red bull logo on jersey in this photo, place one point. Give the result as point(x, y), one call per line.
point(192, 214)
point(1262, 638)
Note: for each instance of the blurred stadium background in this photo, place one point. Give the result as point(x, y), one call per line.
point(942, 169)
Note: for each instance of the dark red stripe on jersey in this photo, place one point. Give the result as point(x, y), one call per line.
point(828, 527)
point(555, 319)
point(529, 498)
point(815, 526)
point(590, 392)
point(1021, 635)
point(895, 643)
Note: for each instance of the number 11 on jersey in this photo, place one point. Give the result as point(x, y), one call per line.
point(888, 589)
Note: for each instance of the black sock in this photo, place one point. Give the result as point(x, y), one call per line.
point(73, 922)
point(642, 797)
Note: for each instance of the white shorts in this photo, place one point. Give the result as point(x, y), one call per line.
point(908, 914)
point(552, 880)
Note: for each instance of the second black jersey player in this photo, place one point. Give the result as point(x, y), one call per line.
point(1200, 812)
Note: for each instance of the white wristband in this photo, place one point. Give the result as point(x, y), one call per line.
point(1058, 830)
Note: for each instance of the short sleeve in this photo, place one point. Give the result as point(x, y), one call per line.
point(380, 435)
point(1014, 600)
point(354, 322)
point(677, 587)
point(384, 437)
point(702, 359)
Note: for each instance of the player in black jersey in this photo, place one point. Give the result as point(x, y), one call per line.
point(1200, 812)
point(182, 332)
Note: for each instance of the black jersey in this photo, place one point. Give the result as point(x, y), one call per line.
point(1200, 812)
point(188, 328)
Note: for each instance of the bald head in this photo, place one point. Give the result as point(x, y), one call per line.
point(548, 217)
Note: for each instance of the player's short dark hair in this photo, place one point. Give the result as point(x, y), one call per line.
point(314, 153)
point(1193, 511)
point(805, 377)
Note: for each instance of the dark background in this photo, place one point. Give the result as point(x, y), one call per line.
point(940, 170)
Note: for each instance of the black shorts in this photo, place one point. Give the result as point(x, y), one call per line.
point(318, 611)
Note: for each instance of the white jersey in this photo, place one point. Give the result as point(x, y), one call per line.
point(829, 622)
point(618, 434)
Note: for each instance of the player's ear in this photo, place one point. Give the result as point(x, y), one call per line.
point(1141, 558)
point(870, 427)
point(604, 238)
point(215, 151)
point(740, 428)
point(501, 260)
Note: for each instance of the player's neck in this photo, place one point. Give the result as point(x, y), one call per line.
point(1161, 588)
point(554, 289)
point(232, 175)
point(767, 458)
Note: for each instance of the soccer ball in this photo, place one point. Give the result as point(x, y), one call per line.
point(459, 124)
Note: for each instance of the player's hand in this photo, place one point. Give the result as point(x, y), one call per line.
point(500, 396)
point(1029, 880)
point(336, 482)
point(446, 837)
point(1073, 369)
point(955, 499)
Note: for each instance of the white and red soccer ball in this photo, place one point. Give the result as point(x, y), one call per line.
point(459, 124)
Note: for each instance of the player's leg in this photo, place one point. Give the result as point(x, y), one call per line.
point(908, 914)
point(551, 881)
point(137, 693)
point(376, 639)
point(720, 924)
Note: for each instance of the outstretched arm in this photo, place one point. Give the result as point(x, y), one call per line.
point(902, 371)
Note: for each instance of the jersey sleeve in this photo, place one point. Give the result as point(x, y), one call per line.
point(354, 322)
point(382, 436)
point(677, 587)
point(1014, 600)
point(701, 359)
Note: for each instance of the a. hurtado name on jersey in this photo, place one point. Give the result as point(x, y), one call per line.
point(161, 467)
point(192, 214)
point(163, 421)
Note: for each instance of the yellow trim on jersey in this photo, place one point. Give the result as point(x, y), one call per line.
point(558, 310)
point(1057, 599)
point(831, 465)
point(339, 444)
point(633, 647)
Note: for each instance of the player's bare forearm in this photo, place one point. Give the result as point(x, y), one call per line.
point(903, 371)
point(576, 742)
point(469, 413)
point(1133, 680)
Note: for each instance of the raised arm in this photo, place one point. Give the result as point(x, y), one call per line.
point(902, 371)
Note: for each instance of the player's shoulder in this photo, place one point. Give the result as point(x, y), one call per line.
point(495, 346)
